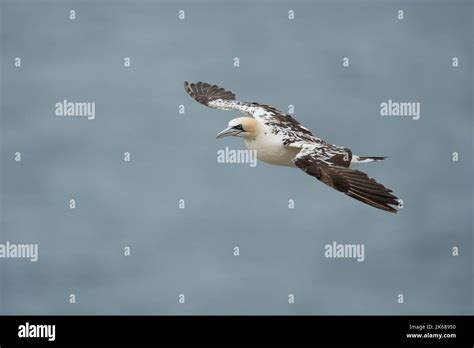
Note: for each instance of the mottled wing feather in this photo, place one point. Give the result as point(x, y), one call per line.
point(204, 93)
point(292, 132)
point(351, 182)
point(331, 154)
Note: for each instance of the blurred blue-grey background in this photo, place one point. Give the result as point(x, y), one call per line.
point(190, 251)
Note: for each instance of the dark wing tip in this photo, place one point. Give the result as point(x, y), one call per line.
point(353, 183)
point(373, 201)
point(369, 191)
point(204, 93)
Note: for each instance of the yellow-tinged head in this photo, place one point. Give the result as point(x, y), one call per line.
point(244, 127)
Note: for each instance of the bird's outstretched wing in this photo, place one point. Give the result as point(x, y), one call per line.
point(293, 133)
point(353, 183)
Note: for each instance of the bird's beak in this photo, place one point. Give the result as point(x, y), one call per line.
point(227, 132)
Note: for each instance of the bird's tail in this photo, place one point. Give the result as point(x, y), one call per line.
point(362, 159)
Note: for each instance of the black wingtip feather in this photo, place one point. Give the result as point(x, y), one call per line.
point(372, 201)
point(353, 183)
point(204, 93)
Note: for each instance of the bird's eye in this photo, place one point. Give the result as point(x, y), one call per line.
point(238, 127)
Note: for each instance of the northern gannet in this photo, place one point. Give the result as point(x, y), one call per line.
point(279, 139)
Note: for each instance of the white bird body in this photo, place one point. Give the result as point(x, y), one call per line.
point(269, 147)
point(279, 139)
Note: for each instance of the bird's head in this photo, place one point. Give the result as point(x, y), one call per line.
point(244, 127)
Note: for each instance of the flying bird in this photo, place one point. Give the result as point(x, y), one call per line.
point(281, 140)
